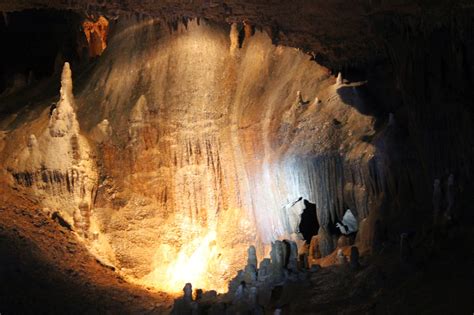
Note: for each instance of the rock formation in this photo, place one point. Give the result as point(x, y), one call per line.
point(56, 166)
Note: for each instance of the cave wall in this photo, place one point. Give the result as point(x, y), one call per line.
point(249, 146)
point(195, 145)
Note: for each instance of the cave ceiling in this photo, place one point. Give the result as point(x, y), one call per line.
point(338, 33)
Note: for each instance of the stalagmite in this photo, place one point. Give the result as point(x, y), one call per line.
point(264, 270)
point(252, 256)
point(248, 29)
point(185, 304)
point(314, 250)
point(293, 259)
point(250, 272)
point(299, 98)
point(340, 258)
point(316, 101)
point(32, 142)
point(188, 292)
point(339, 79)
point(354, 263)
point(102, 131)
point(234, 38)
point(277, 262)
point(326, 244)
point(63, 119)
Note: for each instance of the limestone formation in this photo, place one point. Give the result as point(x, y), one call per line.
point(293, 259)
point(63, 119)
point(32, 142)
point(250, 272)
point(343, 241)
point(354, 258)
point(241, 294)
point(340, 257)
point(198, 293)
point(86, 217)
point(339, 79)
point(326, 244)
point(234, 38)
point(78, 221)
point(264, 270)
point(277, 262)
point(252, 256)
point(185, 304)
point(188, 292)
point(253, 296)
point(248, 30)
point(349, 223)
point(102, 131)
point(299, 98)
point(316, 101)
point(138, 119)
point(95, 236)
point(314, 249)
point(186, 150)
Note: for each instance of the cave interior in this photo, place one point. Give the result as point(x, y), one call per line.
point(236, 157)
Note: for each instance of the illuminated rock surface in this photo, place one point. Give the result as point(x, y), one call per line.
point(164, 156)
point(184, 151)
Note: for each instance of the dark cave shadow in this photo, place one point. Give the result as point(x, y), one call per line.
point(309, 224)
point(359, 97)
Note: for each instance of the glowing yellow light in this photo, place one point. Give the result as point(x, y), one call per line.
point(192, 264)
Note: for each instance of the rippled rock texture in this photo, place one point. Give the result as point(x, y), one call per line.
point(180, 149)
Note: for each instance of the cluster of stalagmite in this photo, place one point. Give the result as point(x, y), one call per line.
point(254, 289)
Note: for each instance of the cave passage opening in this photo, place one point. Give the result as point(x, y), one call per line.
point(309, 224)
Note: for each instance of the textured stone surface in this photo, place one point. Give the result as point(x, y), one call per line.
point(195, 149)
point(339, 33)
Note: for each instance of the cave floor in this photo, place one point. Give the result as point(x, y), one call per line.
point(438, 280)
point(40, 275)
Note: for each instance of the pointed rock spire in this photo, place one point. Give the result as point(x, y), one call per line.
point(316, 101)
point(63, 118)
point(66, 83)
point(299, 98)
point(339, 79)
point(234, 38)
